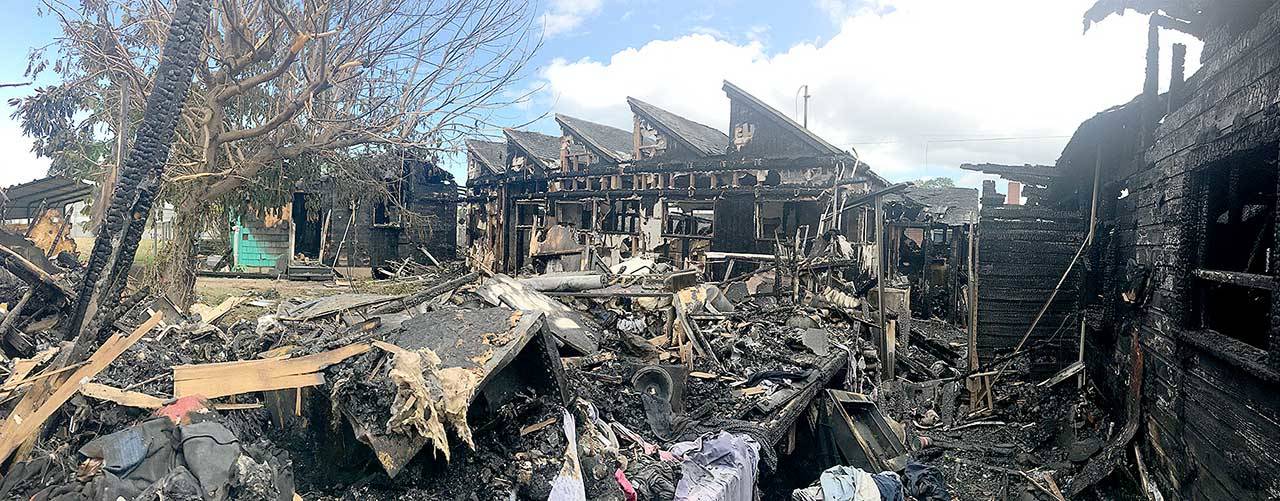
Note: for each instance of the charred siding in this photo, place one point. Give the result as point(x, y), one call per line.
point(1210, 400)
point(753, 134)
point(1022, 253)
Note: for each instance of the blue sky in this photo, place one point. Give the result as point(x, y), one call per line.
point(26, 30)
point(915, 86)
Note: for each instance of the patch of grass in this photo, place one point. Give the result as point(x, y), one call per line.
point(147, 250)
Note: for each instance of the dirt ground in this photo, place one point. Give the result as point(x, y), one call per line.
point(212, 290)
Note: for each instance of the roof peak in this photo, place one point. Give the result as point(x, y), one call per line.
point(701, 138)
point(780, 117)
point(610, 141)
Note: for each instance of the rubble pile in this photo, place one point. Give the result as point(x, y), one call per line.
point(467, 386)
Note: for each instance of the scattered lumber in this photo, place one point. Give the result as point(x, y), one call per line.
point(36, 406)
point(211, 314)
point(22, 368)
point(141, 400)
point(567, 325)
point(245, 376)
point(123, 397)
point(28, 272)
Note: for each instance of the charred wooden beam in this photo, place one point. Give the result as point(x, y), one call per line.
point(1252, 280)
point(774, 192)
point(1038, 175)
point(139, 179)
point(1273, 341)
point(30, 273)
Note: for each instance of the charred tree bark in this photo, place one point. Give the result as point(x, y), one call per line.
point(177, 275)
point(139, 179)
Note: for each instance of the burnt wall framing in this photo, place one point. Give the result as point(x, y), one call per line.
point(1199, 218)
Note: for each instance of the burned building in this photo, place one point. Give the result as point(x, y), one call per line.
point(927, 242)
point(41, 210)
point(414, 216)
point(669, 186)
point(1147, 257)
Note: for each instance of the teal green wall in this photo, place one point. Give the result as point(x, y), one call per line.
point(258, 247)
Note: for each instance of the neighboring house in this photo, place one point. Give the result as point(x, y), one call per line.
point(1172, 302)
point(353, 233)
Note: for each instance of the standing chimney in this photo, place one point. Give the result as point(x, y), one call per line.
point(1015, 194)
point(990, 197)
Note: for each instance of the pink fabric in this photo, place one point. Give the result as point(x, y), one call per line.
point(628, 490)
point(179, 410)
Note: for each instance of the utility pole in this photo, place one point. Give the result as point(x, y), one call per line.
point(806, 106)
point(804, 120)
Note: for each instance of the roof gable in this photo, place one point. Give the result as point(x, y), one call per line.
point(739, 96)
point(610, 142)
point(544, 150)
point(489, 154)
point(702, 139)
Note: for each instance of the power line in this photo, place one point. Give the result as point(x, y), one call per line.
point(972, 140)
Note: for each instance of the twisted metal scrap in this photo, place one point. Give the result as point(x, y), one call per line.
point(113, 251)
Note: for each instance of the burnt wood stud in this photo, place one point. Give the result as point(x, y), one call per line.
point(117, 241)
point(1273, 341)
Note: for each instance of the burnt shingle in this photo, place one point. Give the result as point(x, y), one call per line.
point(704, 140)
point(612, 142)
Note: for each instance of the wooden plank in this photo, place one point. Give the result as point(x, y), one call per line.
point(245, 376)
point(248, 383)
point(30, 273)
point(122, 397)
point(18, 428)
point(1066, 373)
point(22, 368)
point(279, 366)
point(1242, 279)
point(538, 426)
point(210, 314)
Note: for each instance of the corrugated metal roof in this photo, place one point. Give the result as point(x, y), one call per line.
point(26, 199)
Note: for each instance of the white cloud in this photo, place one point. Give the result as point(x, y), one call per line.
point(709, 31)
point(20, 164)
point(839, 10)
point(563, 16)
point(899, 76)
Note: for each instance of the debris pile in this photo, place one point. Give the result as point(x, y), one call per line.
point(467, 385)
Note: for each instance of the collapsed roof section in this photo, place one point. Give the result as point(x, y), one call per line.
point(1185, 15)
point(944, 205)
point(701, 139)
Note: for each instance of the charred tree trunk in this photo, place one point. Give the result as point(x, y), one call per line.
point(113, 251)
